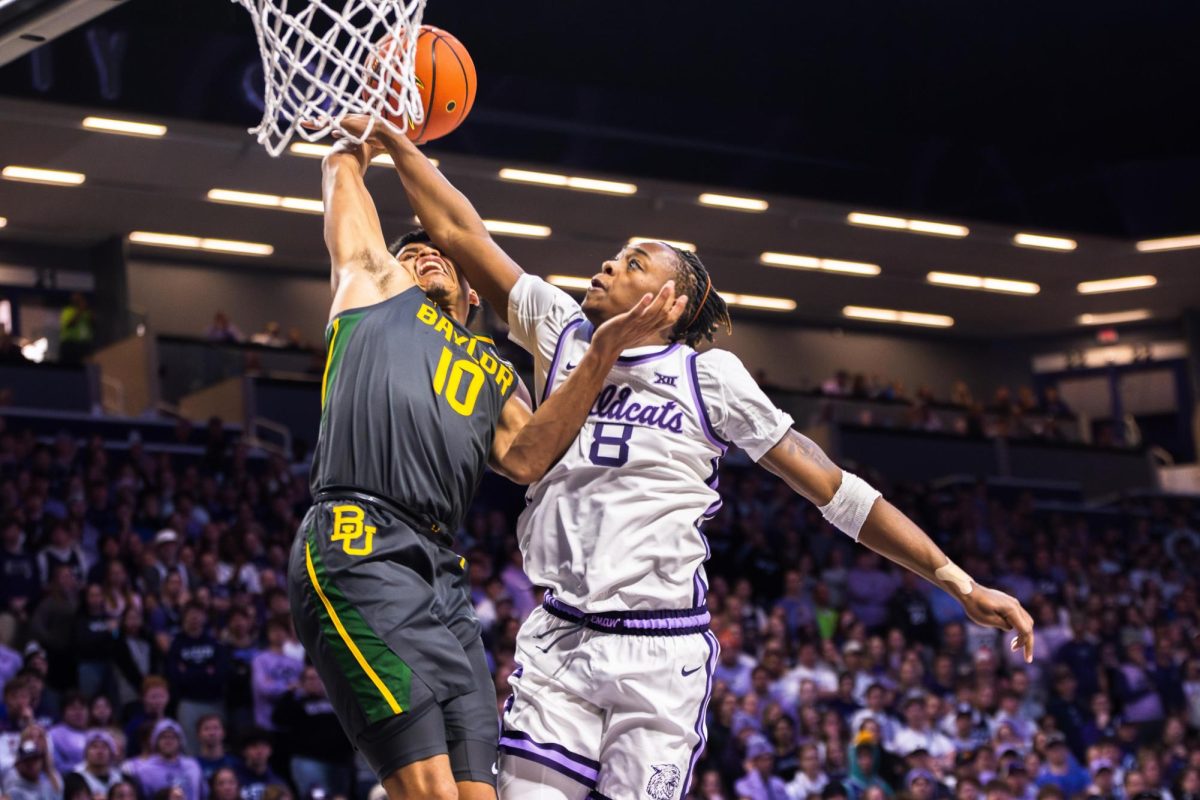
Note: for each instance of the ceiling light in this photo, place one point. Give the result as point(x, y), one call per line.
point(1114, 318)
point(913, 225)
point(570, 282)
point(1044, 242)
point(728, 201)
point(516, 229)
point(1002, 285)
point(236, 197)
point(567, 181)
point(899, 317)
point(791, 261)
point(1170, 243)
point(3, 222)
point(35, 175)
point(759, 302)
point(124, 127)
point(689, 246)
point(198, 243)
point(1117, 284)
point(314, 150)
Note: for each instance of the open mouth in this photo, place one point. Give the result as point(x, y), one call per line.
point(430, 264)
point(596, 284)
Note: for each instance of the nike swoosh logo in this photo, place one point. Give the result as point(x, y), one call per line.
point(495, 769)
point(687, 671)
point(571, 367)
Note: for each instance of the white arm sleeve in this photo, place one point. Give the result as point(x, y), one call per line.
point(739, 411)
point(537, 314)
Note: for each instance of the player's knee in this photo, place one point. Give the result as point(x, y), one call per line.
point(421, 785)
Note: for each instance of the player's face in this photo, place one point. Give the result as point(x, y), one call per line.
point(440, 278)
point(625, 278)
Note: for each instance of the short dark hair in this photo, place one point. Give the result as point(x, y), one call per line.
point(420, 236)
point(415, 236)
point(706, 309)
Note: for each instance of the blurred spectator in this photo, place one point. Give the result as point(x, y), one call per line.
point(758, 782)
point(254, 773)
point(166, 765)
point(147, 713)
point(53, 623)
point(222, 330)
point(320, 753)
point(99, 755)
point(211, 754)
point(1061, 769)
point(69, 737)
point(864, 761)
point(224, 785)
point(76, 330)
point(810, 780)
point(32, 777)
point(270, 336)
point(274, 671)
point(197, 665)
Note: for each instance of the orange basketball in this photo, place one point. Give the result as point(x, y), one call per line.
point(446, 78)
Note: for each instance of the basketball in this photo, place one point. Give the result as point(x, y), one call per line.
point(446, 77)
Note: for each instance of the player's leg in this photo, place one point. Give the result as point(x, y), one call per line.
point(388, 711)
point(549, 745)
point(429, 778)
point(655, 729)
point(472, 732)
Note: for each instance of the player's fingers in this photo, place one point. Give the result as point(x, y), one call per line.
point(664, 298)
point(677, 310)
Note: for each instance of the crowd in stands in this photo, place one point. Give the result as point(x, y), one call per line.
point(1025, 414)
point(148, 652)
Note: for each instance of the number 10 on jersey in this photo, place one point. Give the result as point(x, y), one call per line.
point(448, 382)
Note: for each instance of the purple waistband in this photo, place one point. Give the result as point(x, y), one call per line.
point(634, 623)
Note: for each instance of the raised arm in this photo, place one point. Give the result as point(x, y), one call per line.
point(449, 218)
point(860, 512)
point(526, 444)
point(361, 268)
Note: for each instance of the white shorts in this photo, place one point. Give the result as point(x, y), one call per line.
point(615, 703)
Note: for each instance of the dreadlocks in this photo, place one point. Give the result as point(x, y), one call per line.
point(706, 310)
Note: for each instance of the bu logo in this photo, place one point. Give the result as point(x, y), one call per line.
point(348, 528)
point(666, 380)
point(663, 782)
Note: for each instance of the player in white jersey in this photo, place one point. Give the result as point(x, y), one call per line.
point(616, 666)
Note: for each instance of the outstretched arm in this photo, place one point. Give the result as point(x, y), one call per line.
point(449, 219)
point(362, 270)
point(885, 529)
point(526, 445)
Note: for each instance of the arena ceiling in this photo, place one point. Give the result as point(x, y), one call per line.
point(1070, 116)
point(161, 185)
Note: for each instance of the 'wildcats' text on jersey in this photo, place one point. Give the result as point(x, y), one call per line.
point(615, 524)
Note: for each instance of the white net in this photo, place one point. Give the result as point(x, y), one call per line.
point(324, 59)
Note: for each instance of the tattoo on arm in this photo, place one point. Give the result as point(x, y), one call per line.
point(799, 444)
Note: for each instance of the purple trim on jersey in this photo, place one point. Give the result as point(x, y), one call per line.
point(597, 796)
point(705, 424)
point(555, 756)
point(562, 337)
point(682, 622)
point(714, 648)
point(628, 361)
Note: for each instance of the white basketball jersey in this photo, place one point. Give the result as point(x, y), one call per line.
point(615, 524)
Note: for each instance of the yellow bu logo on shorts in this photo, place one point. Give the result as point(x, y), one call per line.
point(348, 528)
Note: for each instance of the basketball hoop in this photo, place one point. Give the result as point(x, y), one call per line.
point(324, 59)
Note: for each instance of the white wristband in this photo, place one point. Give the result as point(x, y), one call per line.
point(848, 509)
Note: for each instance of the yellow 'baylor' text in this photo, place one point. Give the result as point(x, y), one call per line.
point(469, 346)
